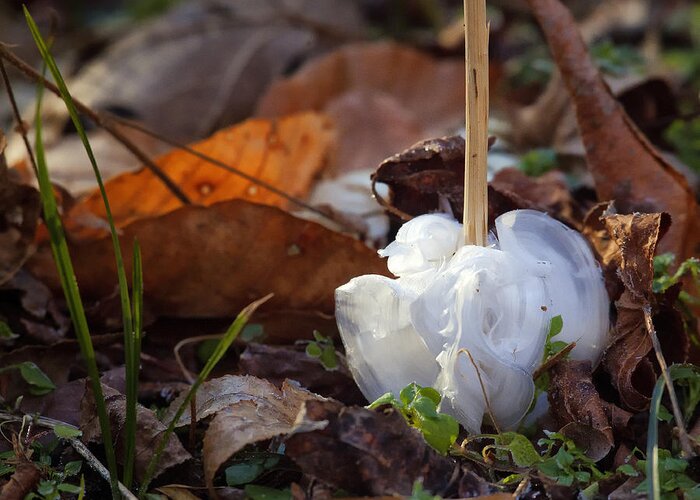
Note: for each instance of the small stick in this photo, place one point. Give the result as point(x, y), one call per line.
point(684, 438)
point(476, 45)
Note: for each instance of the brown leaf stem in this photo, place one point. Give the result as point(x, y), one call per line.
point(18, 117)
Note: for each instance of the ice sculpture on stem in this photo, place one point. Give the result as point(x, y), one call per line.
point(471, 320)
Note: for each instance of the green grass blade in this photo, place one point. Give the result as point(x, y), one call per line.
point(64, 266)
point(129, 347)
point(132, 366)
point(652, 465)
point(233, 331)
point(675, 372)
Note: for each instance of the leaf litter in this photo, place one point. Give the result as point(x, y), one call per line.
point(278, 418)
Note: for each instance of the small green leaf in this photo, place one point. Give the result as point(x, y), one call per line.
point(313, 350)
point(73, 489)
point(664, 415)
point(38, 381)
point(439, 432)
point(555, 327)
point(520, 447)
point(408, 393)
point(431, 393)
point(426, 407)
point(564, 458)
point(328, 358)
point(72, 468)
point(6, 332)
point(385, 399)
point(253, 331)
point(67, 432)
point(628, 470)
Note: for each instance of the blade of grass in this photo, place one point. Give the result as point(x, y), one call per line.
point(64, 265)
point(675, 372)
point(132, 358)
point(215, 357)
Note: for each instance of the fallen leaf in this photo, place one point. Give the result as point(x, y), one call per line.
point(277, 363)
point(378, 111)
point(637, 236)
point(149, 431)
point(625, 166)
point(22, 482)
point(631, 372)
point(176, 492)
point(548, 192)
point(36, 310)
point(211, 261)
point(20, 207)
point(577, 406)
point(423, 175)
point(286, 153)
point(633, 240)
point(366, 452)
point(254, 410)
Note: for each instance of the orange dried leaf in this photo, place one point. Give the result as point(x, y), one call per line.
point(287, 152)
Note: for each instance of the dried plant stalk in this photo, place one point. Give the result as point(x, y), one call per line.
point(476, 40)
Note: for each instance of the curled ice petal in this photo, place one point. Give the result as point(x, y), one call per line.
point(425, 242)
point(575, 282)
point(494, 302)
point(382, 347)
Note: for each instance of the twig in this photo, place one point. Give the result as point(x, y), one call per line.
point(191, 340)
point(476, 45)
point(100, 119)
point(683, 437)
point(18, 116)
point(92, 460)
point(483, 389)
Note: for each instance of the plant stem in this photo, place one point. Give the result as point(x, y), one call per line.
point(683, 437)
point(476, 45)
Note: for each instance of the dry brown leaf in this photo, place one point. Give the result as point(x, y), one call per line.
point(625, 166)
point(287, 153)
point(177, 492)
point(35, 309)
point(212, 261)
point(410, 96)
point(633, 240)
point(576, 404)
point(425, 173)
point(548, 192)
point(22, 482)
point(277, 363)
point(637, 237)
point(367, 452)
point(20, 207)
point(149, 431)
point(255, 410)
